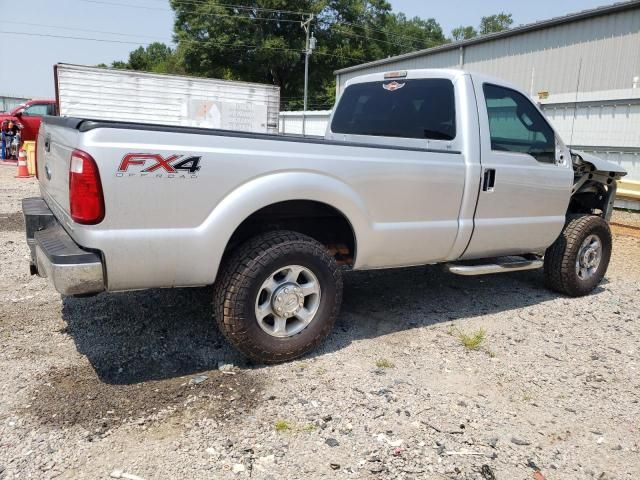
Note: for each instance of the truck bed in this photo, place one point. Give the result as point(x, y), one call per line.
point(87, 124)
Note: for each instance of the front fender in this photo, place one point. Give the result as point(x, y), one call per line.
point(600, 164)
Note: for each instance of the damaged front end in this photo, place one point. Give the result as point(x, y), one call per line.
point(594, 184)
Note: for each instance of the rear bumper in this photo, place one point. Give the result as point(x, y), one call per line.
point(71, 269)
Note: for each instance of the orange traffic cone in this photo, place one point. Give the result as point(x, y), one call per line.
point(23, 171)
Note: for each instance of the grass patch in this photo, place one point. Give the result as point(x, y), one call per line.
point(384, 363)
point(282, 426)
point(472, 340)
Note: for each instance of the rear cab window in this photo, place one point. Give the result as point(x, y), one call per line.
point(408, 108)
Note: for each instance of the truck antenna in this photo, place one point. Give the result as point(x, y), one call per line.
point(575, 102)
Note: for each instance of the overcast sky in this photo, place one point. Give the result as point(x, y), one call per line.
point(26, 67)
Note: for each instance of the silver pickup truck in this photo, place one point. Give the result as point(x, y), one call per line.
point(417, 167)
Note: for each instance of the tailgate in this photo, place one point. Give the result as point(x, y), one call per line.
point(56, 141)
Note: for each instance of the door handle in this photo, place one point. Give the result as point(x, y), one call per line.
point(489, 180)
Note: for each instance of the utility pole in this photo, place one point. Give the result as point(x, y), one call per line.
point(310, 44)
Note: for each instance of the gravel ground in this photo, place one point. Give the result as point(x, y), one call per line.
point(627, 217)
point(142, 384)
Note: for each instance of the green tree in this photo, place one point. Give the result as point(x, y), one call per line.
point(156, 57)
point(120, 65)
point(463, 33)
point(413, 34)
point(495, 23)
point(489, 24)
point(263, 41)
point(252, 43)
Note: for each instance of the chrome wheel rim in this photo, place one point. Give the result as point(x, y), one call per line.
point(589, 257)
point(288, 301)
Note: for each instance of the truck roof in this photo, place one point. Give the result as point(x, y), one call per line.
point(450, 73)
point(408, 74)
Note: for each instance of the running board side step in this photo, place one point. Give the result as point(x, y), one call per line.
point(487, 268)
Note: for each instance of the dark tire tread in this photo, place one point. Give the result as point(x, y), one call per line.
point(242, 268)
point(559, 260)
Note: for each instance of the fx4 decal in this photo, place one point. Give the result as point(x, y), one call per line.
point(157, 166)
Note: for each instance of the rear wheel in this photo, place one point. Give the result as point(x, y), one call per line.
point(278, 296)
point(577, 261)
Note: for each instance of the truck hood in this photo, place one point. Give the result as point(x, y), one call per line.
point(599, 163)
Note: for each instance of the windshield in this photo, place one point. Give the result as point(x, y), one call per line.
point(18, 108)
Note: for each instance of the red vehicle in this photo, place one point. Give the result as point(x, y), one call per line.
point(29, 115)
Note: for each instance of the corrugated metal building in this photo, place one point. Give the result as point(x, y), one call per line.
point(8, 102)
point(315, 122)
point(583, 68)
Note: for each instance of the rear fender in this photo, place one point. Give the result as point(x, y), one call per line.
point(216, 231)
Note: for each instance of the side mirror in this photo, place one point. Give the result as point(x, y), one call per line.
point(19, 114)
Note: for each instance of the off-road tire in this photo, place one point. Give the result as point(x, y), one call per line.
point(560, 258)
point(238, 285)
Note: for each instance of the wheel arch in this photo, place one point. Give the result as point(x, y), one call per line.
point(318, 220)
point(220, 231)
point(595, 185)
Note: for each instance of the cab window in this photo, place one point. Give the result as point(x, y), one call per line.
point(418, 108)
point(35, 110)
point(516, 125)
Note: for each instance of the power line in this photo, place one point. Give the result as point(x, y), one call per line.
point(290, 12)
point(91, 30)
point(167, 40)
point(346, 32)
point(104, 40)
point(335, 25)
point(222, 15)
point(127, 42)
point(386, 32)
point(243, 7)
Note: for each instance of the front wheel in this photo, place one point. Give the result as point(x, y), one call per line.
point(278, 296)
point(577, 261)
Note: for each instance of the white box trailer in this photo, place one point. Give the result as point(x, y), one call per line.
point(127, 95)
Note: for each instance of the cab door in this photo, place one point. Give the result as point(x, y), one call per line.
point(31, 118)
point(526, 176)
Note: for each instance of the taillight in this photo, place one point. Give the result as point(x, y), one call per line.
point(86, 201)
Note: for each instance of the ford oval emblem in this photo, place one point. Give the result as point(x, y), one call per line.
point(47, 171)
